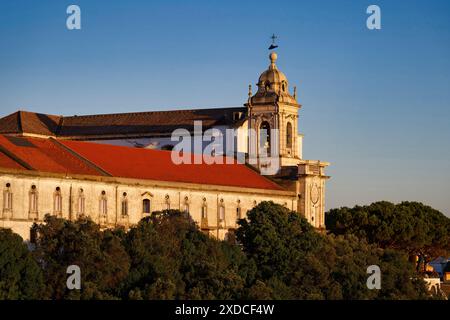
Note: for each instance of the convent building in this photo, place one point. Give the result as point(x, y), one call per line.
point(118, 168)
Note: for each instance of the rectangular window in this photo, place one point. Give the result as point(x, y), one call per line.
point(81, 205)
point(124, 207)
point(146, 206)
point(238, 213)
point(103, 206)
point(7, 200)
point(33, 202)
point(221, 213)
point(57, 206)
point(204, 212)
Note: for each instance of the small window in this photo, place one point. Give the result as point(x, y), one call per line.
point(7, 198)
point(33, 200)
point(221, 213)
point(81, 203)
point(204, 211)
point(289, 135)
point(238, 213)
point(57, 202)
point(103, 204)
point(146, 206)
point(186, 205)
point(167, 202)
point(124, 210)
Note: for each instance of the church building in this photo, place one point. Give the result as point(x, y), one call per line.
point(118, 168)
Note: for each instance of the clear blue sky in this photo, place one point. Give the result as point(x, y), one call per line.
point(376, 104)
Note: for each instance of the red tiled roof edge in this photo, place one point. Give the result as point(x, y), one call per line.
point(15, 158)
point(80, 157)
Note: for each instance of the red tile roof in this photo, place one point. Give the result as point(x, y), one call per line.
point(7, 162)
point(30, 122)
point(43, 155)
point(86, 158)
point(118, 124)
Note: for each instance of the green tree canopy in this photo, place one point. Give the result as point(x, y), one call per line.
point(279, 255)
point(409, 226)
point(294, 261)
point(20, 275)
point(172, 259)
point(101, 257)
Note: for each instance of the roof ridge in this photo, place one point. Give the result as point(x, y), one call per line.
point(32, 112)
point(153, 111)
point(15, 158)
point(80, 157)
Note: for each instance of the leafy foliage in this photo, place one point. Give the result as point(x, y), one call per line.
point(20, 275)
point(296, 262)
point(171, 258)
point(100, 256)
point(279, 255)
point(409, 226)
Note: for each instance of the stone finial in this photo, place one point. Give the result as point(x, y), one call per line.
point(295, 92)
point(249, 90)
point(273, 57)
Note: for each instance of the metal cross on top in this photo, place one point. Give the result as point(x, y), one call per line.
point(273, 45)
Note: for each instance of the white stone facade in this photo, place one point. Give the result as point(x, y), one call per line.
point(161, 194)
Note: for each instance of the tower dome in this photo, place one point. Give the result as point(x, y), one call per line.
point(273, 85)
point(272, 79)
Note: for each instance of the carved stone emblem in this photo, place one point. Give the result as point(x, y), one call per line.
point(315, 193)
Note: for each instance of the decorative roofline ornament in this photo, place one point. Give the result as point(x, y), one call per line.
point(273, 45)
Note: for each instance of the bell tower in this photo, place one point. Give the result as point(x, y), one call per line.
point(274, 138)
point(273, 116)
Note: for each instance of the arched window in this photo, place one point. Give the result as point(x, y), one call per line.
point(289, 135)
point(124, 205)
point(103, 204)
point(146, 206)
point(264, 138)
point(167, 202)
point(81, 203)
point(33, 202)
point(57, 202)
point(204, 211)
point(221, 211)
point(238, 210)
point(186, 205)
point(7, 198)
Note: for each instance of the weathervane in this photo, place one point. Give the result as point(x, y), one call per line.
point(273, 45)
